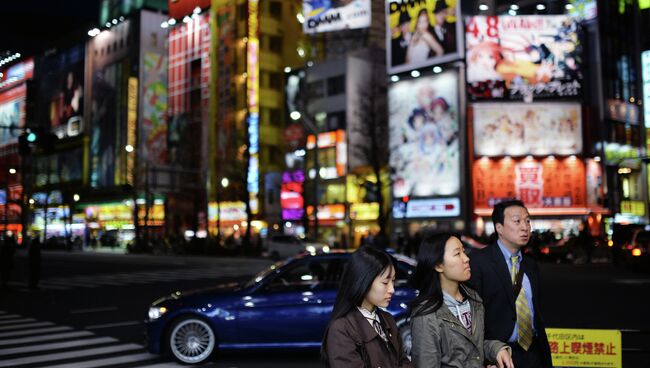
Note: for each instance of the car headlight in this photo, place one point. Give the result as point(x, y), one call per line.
point(311, 249)
point(326, 249)
point(156, 312)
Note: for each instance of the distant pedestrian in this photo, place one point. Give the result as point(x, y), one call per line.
point(360, 333)
point(512, 315)
point(34, 254)
point(447, 323)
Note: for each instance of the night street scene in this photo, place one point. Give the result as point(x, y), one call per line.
point(194, 183)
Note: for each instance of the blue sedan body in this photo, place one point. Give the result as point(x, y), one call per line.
point(287, 305)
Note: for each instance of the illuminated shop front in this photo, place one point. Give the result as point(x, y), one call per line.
point(229, 219)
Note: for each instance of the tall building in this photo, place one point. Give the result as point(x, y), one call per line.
point(253, 42)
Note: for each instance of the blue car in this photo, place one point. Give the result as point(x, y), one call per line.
point(287, 305)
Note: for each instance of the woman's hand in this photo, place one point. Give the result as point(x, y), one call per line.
point(504, 360)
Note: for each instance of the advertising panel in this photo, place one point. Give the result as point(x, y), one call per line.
point(12, 114)
point(103, 140)
point(335, 15)
point(522, 57)
point(527, 129)
point(550, 183)
point(152, 145)
point(585, 348)
point(291, 195)
point(425, 208)
point(424, 136)
point(253, 95)
point(61, 87)
point(421, 33)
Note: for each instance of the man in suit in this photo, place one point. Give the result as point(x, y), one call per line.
point(443, 31)
point(400, 44)
point(509, 283)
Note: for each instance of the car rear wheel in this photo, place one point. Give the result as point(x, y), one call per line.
point(191, 340)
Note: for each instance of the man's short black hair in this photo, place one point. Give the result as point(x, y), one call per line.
point(498, 213)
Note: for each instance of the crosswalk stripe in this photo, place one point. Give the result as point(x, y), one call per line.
point(20, 320)
point(9, 316)
point(108, 361)
point(20, 326)
point(41, 338)
point(57, 345)
point(38, 330)
point(69, 355)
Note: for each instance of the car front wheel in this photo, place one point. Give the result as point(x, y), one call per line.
point(191, 340)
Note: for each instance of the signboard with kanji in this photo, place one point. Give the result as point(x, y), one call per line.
point(547, 183)
point(585, 348)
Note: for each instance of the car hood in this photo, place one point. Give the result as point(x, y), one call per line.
point(225, 289)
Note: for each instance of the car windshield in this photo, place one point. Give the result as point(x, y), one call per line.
point(262, 274)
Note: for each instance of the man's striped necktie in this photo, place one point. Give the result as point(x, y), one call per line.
point(524, 321)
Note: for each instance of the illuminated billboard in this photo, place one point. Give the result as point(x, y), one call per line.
point(424, 136)
point(547, 183)
point(335, 15)
point(421, 33)
point(522, 57)
point(516, 129)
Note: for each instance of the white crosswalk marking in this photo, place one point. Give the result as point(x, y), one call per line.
point(30, 345)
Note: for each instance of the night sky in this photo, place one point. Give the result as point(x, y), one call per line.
point(31, 26)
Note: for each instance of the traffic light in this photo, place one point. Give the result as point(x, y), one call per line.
point(36, 138)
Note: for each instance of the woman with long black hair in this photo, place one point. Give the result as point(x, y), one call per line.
point(360, 334)
point(447, 316)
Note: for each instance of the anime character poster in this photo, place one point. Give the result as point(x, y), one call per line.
point(421, 33)
point(424, 136)
point(522, 57)
point(335, 15)
point(516, 129)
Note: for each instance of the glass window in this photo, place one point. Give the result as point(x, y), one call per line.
point(316, 89)
point(335, 85)
point(275, 9)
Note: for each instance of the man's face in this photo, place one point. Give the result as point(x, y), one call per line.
point(440, 17)
point(515, 231)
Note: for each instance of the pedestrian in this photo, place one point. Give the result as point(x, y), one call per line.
point(509, 283)
point(360, 334)
point(34, 255)
point(447, 320)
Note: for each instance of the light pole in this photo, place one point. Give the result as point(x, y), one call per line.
point(309, 124)
point(224, 185)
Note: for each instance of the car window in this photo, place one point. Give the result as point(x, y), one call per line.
point(303, 276)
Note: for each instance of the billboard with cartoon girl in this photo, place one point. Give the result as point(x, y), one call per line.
point(522, 57)
point(424, 136)
point(516, 129)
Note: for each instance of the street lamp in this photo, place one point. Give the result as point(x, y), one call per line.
point(224, 184)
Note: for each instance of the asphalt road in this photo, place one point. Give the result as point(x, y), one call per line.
point(90, 308)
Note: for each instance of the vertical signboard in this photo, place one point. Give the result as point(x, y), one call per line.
point(131, 125)
point(252, 86)
point(424, 136)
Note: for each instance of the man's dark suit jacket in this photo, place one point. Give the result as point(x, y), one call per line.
point(491, 278)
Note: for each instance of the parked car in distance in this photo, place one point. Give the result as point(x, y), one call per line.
point(279, 246)
point(285, 306)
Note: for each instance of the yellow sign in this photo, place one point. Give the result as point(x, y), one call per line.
point(131, 124)
point(636, 208)
point(585, 348)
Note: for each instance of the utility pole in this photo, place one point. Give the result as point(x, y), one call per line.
point(309, 124)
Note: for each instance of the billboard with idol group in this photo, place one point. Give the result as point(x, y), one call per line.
point(515, 129)
point(424, 136)
point(522, 57)
point(421, 33)
point(335, 15)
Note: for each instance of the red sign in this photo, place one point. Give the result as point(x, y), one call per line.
point(547, 183)
point(294, 134)
point(181, 8)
